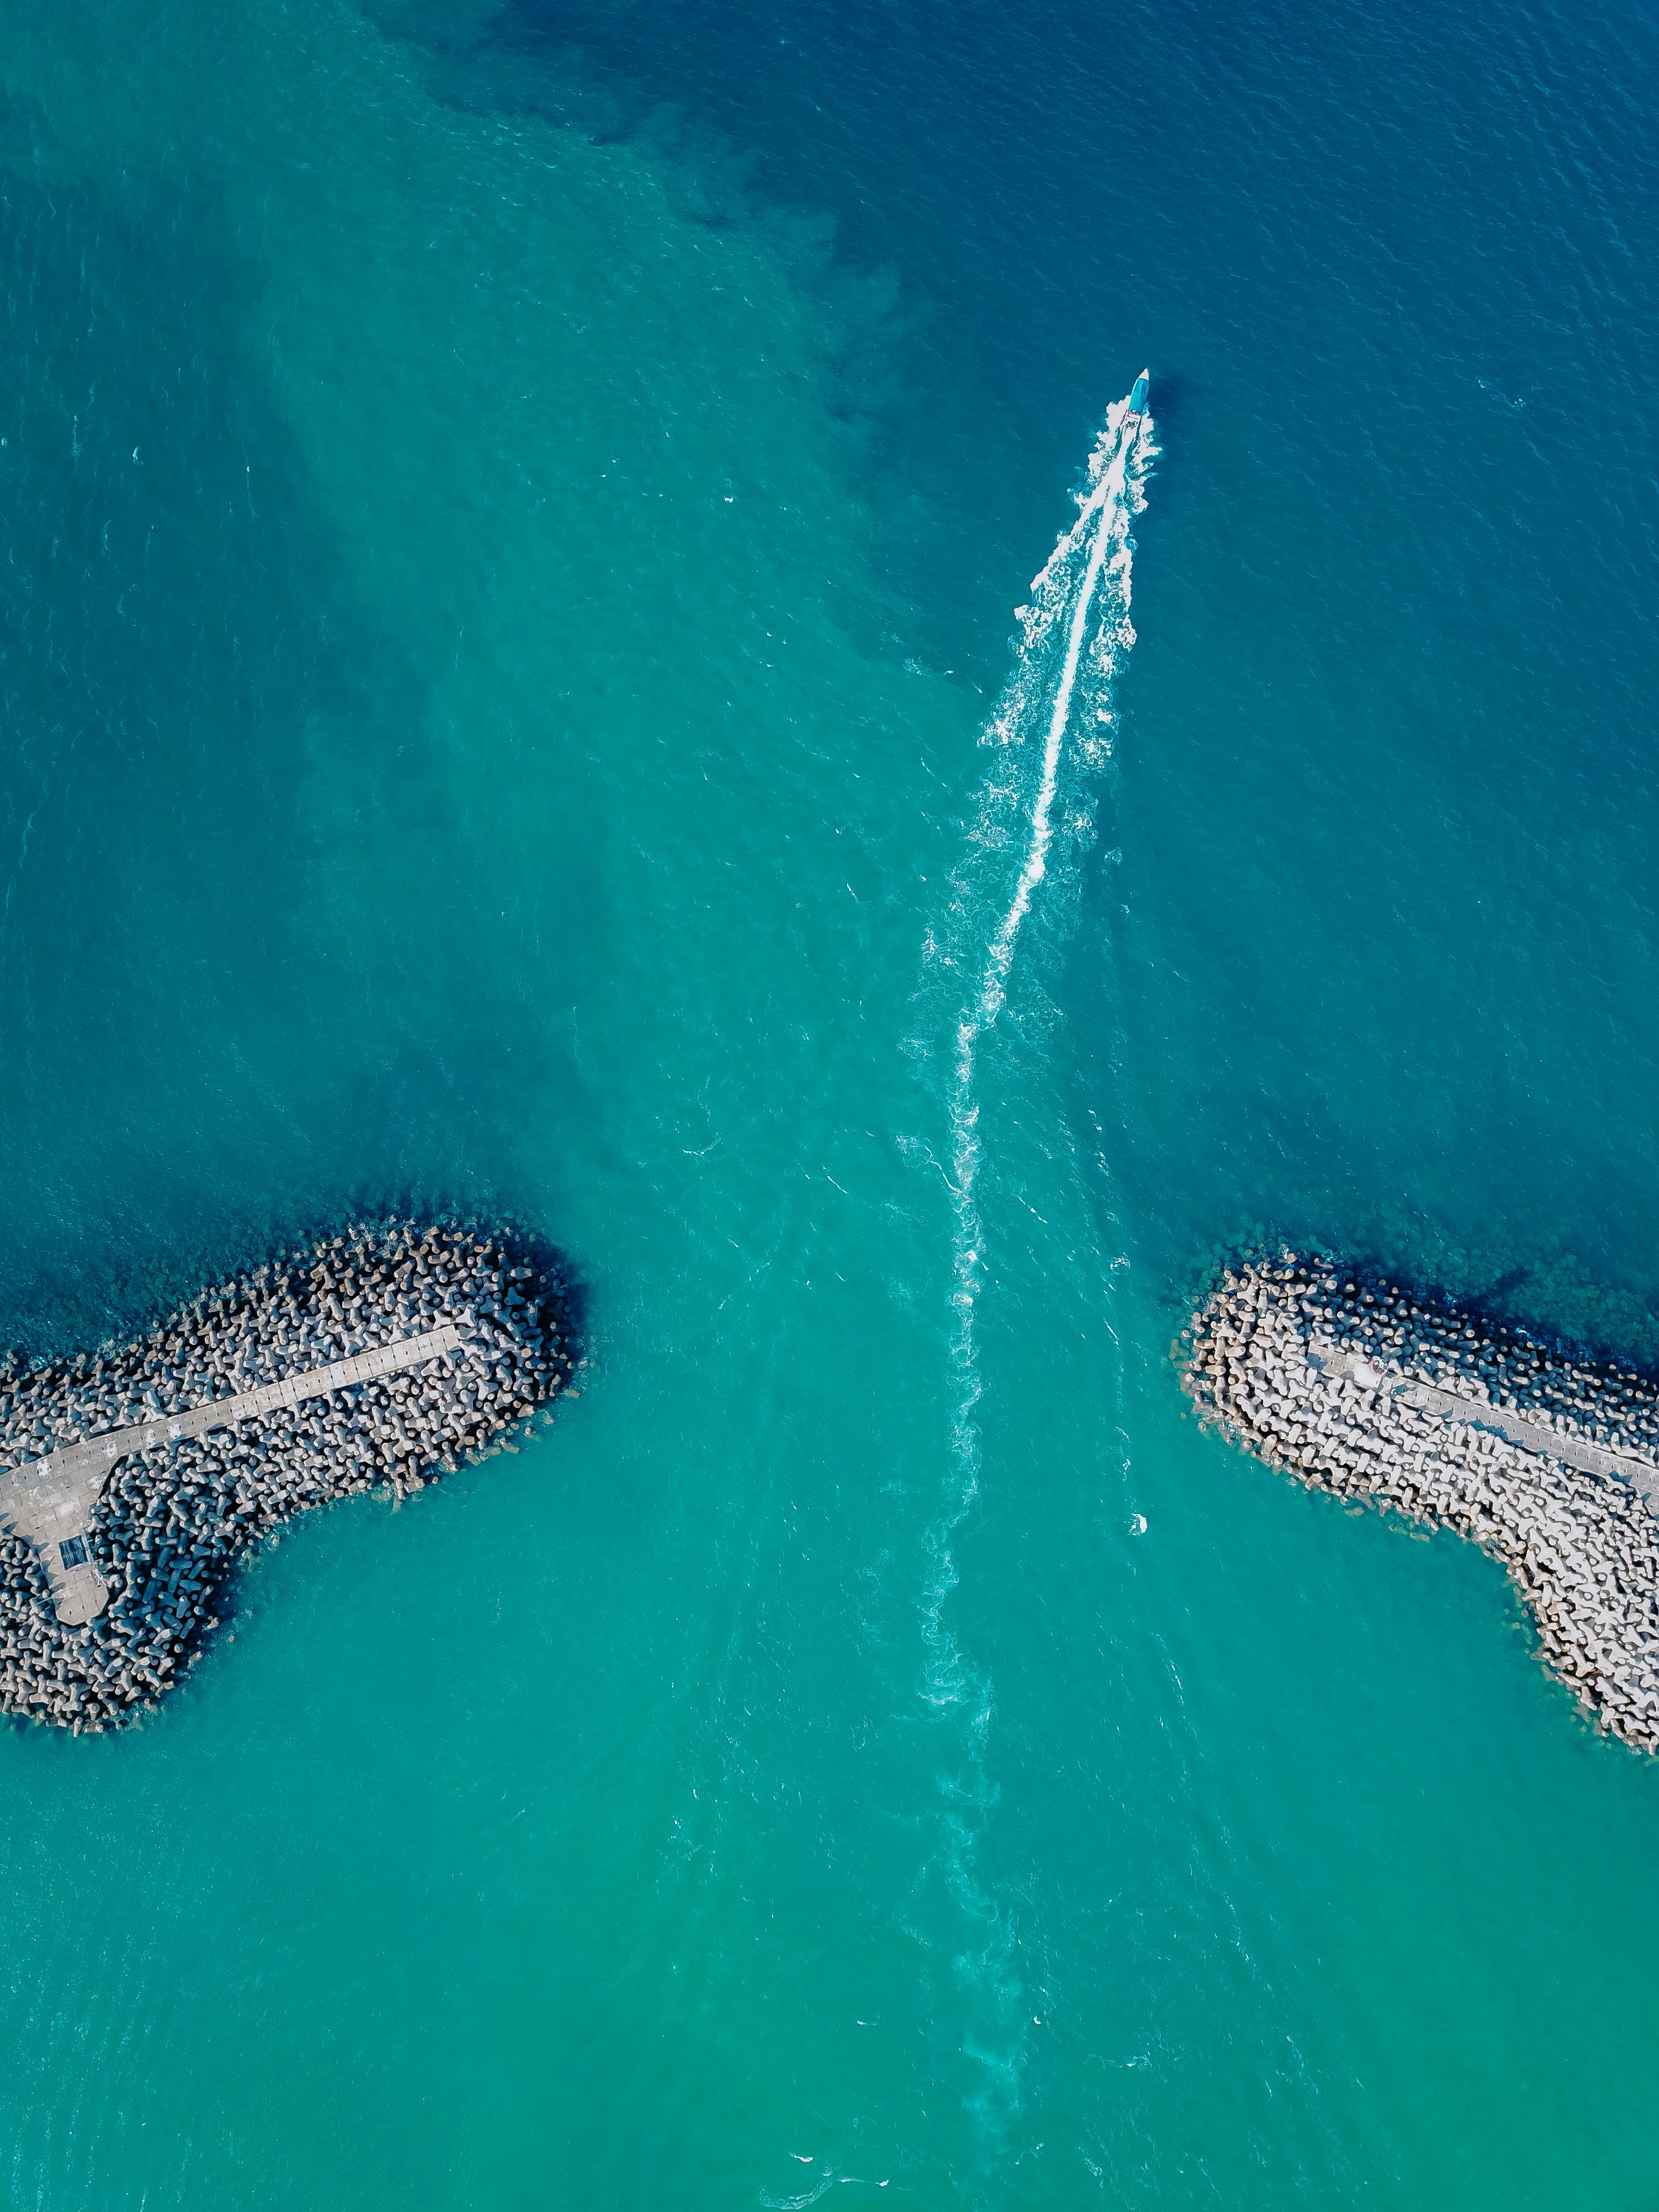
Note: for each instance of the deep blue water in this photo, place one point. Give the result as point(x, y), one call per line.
point(1393, 272)
point(514, 521)
point(1372, 230)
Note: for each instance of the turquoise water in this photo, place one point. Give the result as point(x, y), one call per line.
point(505, 581)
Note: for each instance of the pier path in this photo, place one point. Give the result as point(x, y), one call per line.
point(1522, 1430)
point(49, 1501)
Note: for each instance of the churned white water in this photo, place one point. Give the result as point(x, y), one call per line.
point(1075, 635)
point(1050, 737)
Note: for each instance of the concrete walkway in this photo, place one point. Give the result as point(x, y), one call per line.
point(1519, 1429)
point(49, 1501)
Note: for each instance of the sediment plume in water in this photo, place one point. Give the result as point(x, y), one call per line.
point(1549, 1462)
point(371, 1361)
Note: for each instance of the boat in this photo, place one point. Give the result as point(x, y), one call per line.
point(1138, 397)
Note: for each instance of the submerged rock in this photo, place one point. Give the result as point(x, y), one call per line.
point(131, 1479)
point(1549, 1463)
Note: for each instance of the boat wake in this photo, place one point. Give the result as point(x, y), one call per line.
point(1075, 634)
point(1051, 733)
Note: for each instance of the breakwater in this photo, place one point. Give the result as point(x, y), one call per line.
point(132, 1478)
point(1549, 1463)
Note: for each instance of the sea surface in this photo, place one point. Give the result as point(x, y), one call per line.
point(512, 697)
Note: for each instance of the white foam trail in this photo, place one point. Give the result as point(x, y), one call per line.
point(1086, 578)
point(1081, 597)
point(1037, 853)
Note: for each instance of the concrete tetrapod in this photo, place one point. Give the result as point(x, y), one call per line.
point(132, 1480)
point(49, 1501)
point(1549, 1462)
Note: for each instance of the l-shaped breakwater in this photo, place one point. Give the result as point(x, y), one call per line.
point(132, 1478)
point(1549, 1462)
